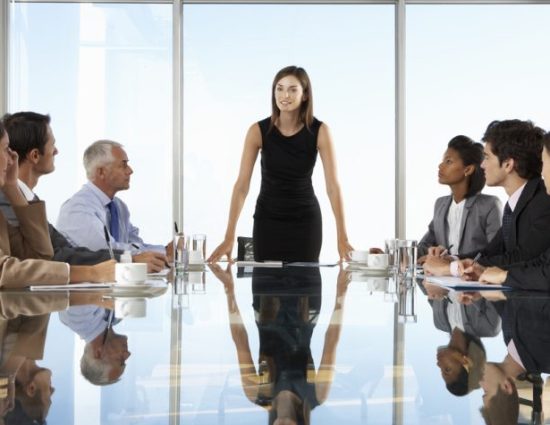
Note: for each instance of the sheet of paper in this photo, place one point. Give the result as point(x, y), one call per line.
point(272, 264)
point(85, 286)
point(460, 284)
point(310, 264)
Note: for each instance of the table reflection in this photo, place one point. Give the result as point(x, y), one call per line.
point(286, 305)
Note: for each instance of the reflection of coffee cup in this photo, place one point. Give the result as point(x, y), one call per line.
point(377, 284)
point(359, 256)
point(378, 261)
point(130, 273)
point(130, 307)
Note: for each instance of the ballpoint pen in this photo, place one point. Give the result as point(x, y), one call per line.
point(477, 257)
point(108, 240)
point(446, 250)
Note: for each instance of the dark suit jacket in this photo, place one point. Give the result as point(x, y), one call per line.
point(529, 233)
point(63, 250)
point(480, 223)
point(530, 275)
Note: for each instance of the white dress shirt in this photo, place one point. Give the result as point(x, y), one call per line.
point(454, 220)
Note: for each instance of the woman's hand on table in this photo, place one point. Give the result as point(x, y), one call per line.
point(225, 248)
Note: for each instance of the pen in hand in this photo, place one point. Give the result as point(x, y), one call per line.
point(477, 257)
point(446, 251)
point(108, 240)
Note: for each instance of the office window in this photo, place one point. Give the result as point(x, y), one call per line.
point(467, 66)
point(348, 52)
point(102, 72)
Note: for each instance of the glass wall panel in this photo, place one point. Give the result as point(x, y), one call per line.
point(467, 66)
point(348, 52)
point(102, 72)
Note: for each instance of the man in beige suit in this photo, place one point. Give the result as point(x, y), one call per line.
point(24, 249)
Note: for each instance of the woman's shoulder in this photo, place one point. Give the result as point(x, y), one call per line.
point(488, 200)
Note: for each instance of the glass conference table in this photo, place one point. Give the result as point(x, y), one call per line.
point(245, 346)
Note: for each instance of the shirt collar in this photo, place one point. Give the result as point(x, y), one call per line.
point(514, 198)
point(99, 193)
point(27, 192)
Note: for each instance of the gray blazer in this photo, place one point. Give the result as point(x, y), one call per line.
point(481, 221)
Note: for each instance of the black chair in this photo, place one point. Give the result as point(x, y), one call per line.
point(535, 379)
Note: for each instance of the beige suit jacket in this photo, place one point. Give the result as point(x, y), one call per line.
point(23, 250)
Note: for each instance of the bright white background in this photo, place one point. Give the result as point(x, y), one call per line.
point(348, 52)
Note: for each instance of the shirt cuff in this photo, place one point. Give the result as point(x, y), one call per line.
point(68, 273)
point(453, 267)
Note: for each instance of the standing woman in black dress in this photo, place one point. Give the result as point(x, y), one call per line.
point(287, 220)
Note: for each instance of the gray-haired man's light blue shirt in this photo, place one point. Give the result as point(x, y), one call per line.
point(83, 217)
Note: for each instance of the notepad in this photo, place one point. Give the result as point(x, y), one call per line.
point(459, 284)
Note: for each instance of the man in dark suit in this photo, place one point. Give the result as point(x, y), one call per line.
point(513, 161)
point(32, 138)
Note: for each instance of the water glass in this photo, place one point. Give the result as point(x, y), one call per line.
point(199, 244)
point(181, 251)
point(390, 249)
point(407, 251)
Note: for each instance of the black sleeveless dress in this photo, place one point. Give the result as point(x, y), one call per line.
point(287, 220)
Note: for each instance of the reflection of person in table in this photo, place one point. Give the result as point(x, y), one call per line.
point(105, 353)
point(287, 303)
point(466, 220)
point(526, 326)
point(467, 318)
point(287, 220)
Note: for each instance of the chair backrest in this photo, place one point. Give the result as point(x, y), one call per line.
point(245, 249)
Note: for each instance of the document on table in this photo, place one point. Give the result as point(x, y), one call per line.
point(459, 284)
point(269, 264)
point(310, 264)
point(86, 286)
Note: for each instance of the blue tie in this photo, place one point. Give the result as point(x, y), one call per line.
point(113, 224)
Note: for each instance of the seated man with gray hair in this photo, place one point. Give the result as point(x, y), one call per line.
point(83, 217)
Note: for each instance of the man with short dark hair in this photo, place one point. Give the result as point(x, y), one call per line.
point(31, 136)
point(513, 161)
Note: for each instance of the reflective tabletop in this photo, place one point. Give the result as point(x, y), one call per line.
point(270, 346)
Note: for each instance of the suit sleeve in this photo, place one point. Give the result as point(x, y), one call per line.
point(530, 275)
point(28, 241)
point(66, 253)
point(427, 240)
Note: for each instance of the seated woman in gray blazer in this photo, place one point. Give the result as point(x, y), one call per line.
point(465, 220)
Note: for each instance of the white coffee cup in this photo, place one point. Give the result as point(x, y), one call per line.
point(130, 307)
point(359, 256)
point(378, 261)
point(130, 273)
point(195, 257)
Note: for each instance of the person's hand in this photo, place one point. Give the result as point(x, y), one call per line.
point(224, 276)
point(435, 292)
point(422, 260)
point(155, 260)
point(437, 250)
point(225, 248)
point(103, 272)
point(469, 269)
point(376, 250)
point(493, 275)
point(169, 252)
point(467, 298)
point(343, 280)
point(437, 266)
point(344, 250)
point(12, 170)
